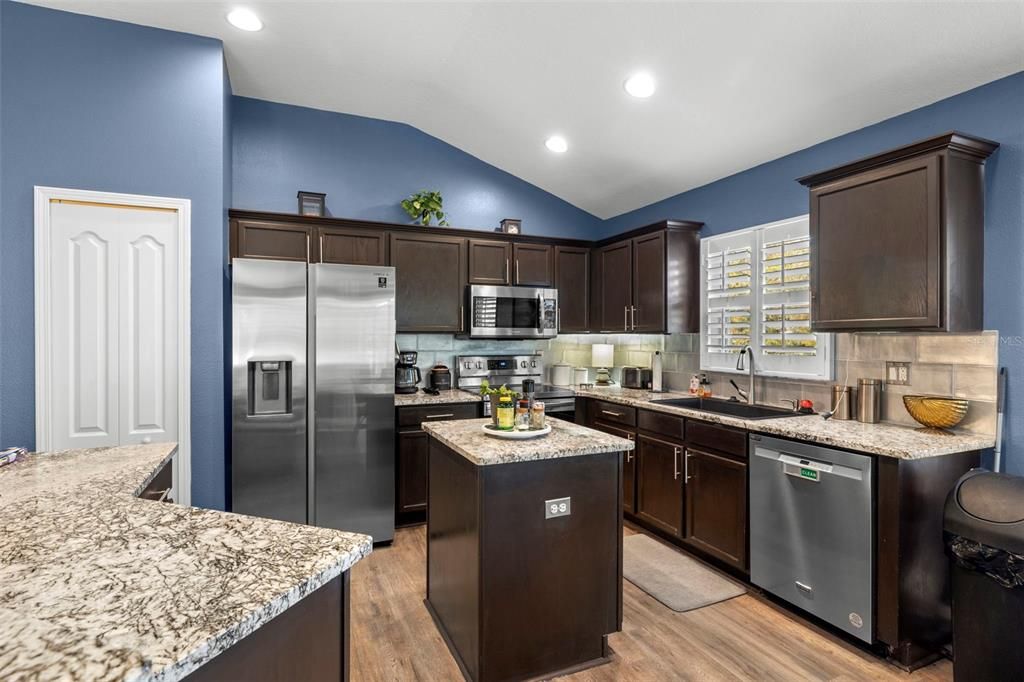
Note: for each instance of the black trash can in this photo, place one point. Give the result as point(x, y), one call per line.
point(985, 538)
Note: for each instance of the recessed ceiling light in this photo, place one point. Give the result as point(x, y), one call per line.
point(245, 20)
point(557, 144)
point(640, 85)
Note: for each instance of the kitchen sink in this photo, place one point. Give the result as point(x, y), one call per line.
point(728, 407)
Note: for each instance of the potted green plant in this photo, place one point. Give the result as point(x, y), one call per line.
point(494, 395)
point(424, 206)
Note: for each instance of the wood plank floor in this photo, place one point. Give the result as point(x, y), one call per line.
point(746, 638)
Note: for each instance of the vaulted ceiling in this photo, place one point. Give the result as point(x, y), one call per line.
point(738, 83)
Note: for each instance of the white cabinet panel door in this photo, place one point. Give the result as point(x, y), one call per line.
point(113, 317)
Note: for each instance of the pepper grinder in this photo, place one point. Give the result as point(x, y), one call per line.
point(529, 389)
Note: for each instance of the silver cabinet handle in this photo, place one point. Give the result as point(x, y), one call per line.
point(686, 466)
point(675, 463)
point(163, 495)
point(629, 453)
point(614, 414)
point(625, 318)
point(506, 269)
point(517, 271)
point(462, 318)
point(558, 319)
point(321, 247)
point(632, 318)
point(438, 416)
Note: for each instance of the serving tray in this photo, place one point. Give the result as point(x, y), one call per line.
point(492, 430)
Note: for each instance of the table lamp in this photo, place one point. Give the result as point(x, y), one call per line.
point(602, 356)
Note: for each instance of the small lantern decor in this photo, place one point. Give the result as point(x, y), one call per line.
point(512, 225)
point(312, 203)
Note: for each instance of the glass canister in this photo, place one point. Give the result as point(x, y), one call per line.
point(537, 416)
point(506, 413)
point(523, 415)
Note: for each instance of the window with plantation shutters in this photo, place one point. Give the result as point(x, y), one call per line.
point(755, 291)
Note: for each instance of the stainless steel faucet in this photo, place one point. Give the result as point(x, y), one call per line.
point(747, 350)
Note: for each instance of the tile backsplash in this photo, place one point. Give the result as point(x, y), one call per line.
point(963, 365)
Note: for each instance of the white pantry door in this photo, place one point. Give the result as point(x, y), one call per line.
point(114, 324)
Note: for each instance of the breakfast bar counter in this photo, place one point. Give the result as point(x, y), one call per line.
point(102, 584)
point(524, 547)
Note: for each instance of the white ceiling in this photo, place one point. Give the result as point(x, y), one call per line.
point(738, 83)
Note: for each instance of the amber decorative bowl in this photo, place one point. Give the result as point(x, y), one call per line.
point(934, 411)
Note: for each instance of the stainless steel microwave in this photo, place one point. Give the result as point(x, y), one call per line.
point(512, 312)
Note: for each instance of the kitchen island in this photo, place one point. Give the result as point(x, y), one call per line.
point(99, 584)
point(524, 547)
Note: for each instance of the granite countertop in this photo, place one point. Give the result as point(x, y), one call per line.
point(98, 584)
point(565, 440)
point(880, 439)
point(444, 398)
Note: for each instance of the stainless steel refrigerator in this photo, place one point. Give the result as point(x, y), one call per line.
point(312, 434)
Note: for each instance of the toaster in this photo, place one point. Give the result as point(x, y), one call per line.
point(636, 377)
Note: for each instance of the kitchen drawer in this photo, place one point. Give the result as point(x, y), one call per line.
point(414, 416)
point(665, 424)
point(724, 439)
point(611, 412)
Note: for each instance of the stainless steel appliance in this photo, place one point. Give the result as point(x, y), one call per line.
point(312, 394)
point(407, 374)
point(471, 370)
point(630, 377)
point(811, 522)
point(512, 312)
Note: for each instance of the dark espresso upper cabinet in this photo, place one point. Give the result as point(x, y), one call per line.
point(352, 246)
point(533, 264)
point(647, 280)
point(572, 279)
point(266, 239)
point(431, 274)
point(897, 239)
point(490, 262)
point(613, 265)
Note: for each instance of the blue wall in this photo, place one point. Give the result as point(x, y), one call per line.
point(769, 192)
point(366, 166)
point(95, 104)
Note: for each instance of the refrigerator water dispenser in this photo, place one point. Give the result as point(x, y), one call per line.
point(270, 387)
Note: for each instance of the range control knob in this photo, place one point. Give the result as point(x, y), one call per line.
point(467, 365)
point(523, 364)
point(533, 363)
point(479, 365)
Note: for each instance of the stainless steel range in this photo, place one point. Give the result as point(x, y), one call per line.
point(471, 370)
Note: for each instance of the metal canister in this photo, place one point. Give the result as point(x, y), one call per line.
point(869, 400)
point(842, 402)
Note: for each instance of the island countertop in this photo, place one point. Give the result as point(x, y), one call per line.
point(101, 585)
point(888, 440)
point(467, 438)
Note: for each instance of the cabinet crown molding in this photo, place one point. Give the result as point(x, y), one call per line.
point(968, 145)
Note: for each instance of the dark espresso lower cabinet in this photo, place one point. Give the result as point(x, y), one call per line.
point(716, 505)
point(411, 455)
point(628, 466)
point(659, 483)
point(411, 472)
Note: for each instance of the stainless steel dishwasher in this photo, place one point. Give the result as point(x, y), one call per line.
point(811, 530)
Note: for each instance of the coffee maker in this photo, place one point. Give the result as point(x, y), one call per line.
point(407, 374)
